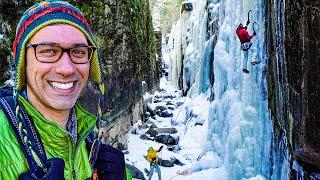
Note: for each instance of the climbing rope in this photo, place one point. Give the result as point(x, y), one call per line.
point(174, 176)
point(180, 108)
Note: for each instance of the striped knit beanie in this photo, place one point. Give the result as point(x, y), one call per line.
point(47, 13)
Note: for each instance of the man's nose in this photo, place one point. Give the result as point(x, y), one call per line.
point(64, 65)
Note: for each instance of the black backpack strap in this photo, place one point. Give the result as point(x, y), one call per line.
point(115, 167)
point(93, 145)
point(27, 136)
point(6, 91)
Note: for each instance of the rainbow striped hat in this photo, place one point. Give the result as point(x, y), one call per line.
point(43, 14)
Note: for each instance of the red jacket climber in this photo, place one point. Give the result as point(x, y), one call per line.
point(243, 34)
point(245, 39)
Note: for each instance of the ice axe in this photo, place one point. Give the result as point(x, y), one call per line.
point(253, 26)
point(254, 30)
point(248, 21)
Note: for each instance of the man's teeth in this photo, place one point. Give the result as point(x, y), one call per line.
point(62, 85)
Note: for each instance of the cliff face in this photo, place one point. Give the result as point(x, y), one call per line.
point(124, 31)
point(294, 81)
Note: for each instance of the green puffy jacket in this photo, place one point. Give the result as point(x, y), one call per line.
point(56, 141)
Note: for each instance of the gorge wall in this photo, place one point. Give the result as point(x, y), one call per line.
point(294, 81)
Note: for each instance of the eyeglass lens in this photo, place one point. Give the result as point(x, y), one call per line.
point(52, 53)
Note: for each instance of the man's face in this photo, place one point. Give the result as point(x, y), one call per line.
point(56, 86)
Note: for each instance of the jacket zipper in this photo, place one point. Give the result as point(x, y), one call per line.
point(77, 147)
point(74, 174)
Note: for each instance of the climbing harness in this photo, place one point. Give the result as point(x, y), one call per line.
point(246, 46)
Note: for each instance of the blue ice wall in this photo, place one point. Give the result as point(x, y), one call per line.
point(240, 129)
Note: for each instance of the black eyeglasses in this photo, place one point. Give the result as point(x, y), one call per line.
point(50, 53)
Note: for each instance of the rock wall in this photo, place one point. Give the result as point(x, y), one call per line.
point(124, 31)
point(116, 133)
point(294, 81)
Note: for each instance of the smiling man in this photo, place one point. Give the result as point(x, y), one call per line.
point(57, 70)
point(44, 133)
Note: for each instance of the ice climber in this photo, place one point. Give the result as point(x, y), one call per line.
point(153, 159)
point(246, 45)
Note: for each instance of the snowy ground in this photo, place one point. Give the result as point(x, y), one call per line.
point(192, 137)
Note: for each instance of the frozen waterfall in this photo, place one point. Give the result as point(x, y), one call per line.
point(204, 55)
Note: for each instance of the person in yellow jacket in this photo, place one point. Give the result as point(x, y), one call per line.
point(153, 159)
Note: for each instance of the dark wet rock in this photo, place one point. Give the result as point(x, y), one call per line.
point(164, 114)
point(143, 126)
point(198, 124)
point(174, 148)
point(167, 114)
point(158, 96)
point(167, 139)
point(145, 137)
point(166, 163)
point(170, 163)
point(151, 132)
point(179, 163)
point(161, 108)
point(199, 121)
point(136, 173)
point(179, 103)
point(151, 111)
point(165, 96)
point(171, 107)
point(157, 101)
point(169, 103)
point(153, 126)
point(147, 114)
point(125, 152)
point(166, 130)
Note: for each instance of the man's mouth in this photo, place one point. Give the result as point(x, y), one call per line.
point(63, 86)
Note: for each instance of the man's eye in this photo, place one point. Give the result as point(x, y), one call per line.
point(79, 52)
point(48, 51)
